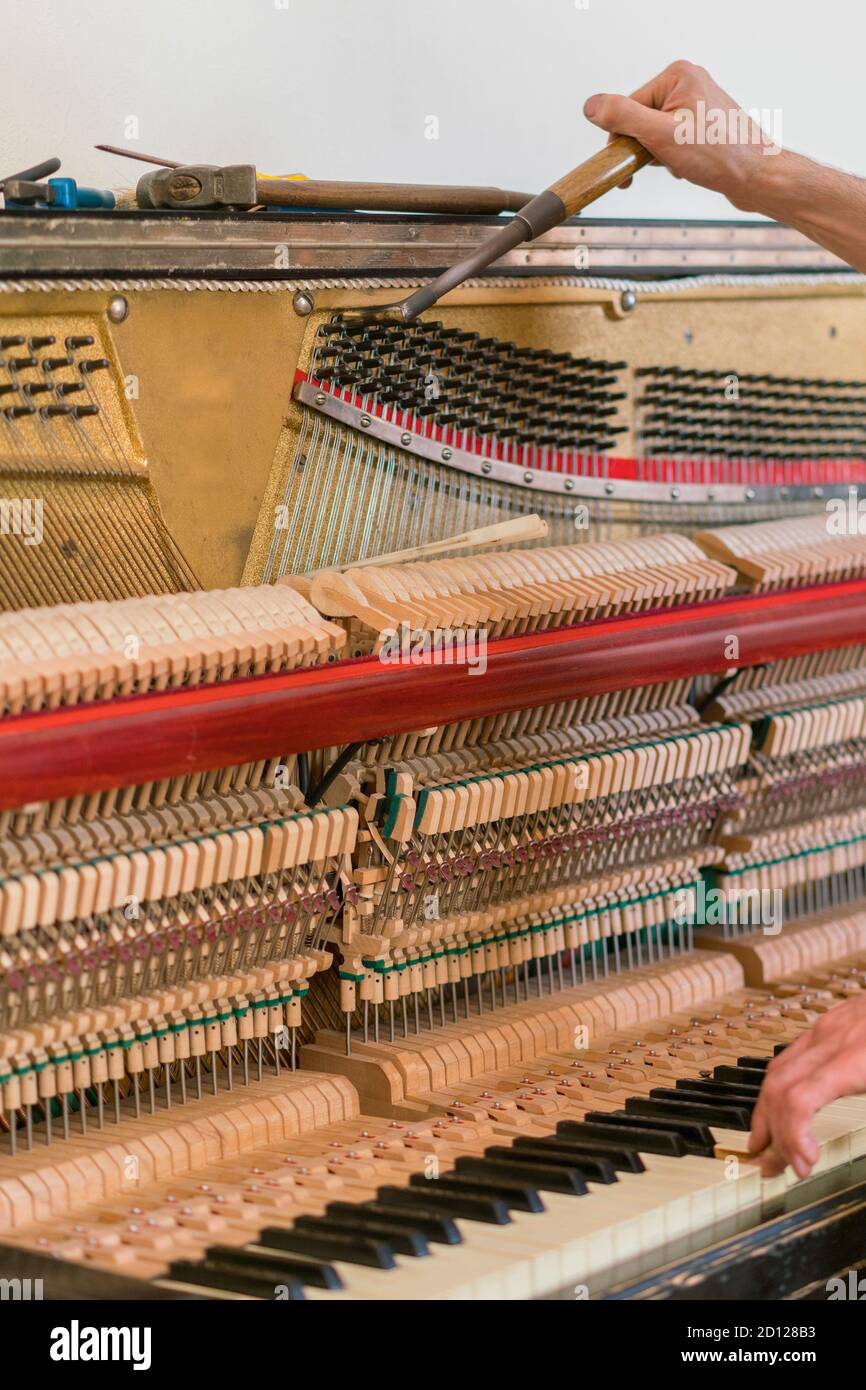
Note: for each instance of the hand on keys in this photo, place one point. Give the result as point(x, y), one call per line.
point(825, 1063)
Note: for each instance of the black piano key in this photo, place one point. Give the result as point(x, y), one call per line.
point(439, 1199)
point(714, 1093)
point(329, 1245)
point(547, 1174)
point(68, 1281)
point(402, 1241)
point(779, 1049)
point(724, 1116)
point(440, 1230)
point(517, 1196)
point(317, 1273)
point(756, 1063)
point(595, 1168)
point(230, 1280)
point(750, 1077)
point(696, 1137)
point(619, 1151)
point(717, 1086)
point(649, 1141)
point(592, 1167)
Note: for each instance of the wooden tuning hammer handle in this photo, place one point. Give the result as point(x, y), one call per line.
point(601, 172)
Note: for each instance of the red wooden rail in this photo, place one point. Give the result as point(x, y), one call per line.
point(144, 738)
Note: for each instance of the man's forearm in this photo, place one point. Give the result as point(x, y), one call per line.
point(826, 205)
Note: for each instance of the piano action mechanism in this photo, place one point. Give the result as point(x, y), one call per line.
point(320, 965)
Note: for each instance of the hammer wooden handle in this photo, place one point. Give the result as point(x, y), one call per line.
point(601, 172)
point(387, 197)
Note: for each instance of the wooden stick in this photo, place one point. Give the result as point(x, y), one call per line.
point(514, 532)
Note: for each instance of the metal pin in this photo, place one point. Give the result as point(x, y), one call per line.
point(64, 1110)
point(261, 1043)
point(213, 1070)
point(348, 1035)
point(294, 1049)
point(117, 1102)
point(82, 1109)
point(151, 1085)
point(198, 1077)
point(246, 1061)
point(391, 1019)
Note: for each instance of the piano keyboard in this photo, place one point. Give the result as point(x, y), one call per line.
point(543, 1179)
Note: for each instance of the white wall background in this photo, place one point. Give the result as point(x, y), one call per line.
point(342, 88)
